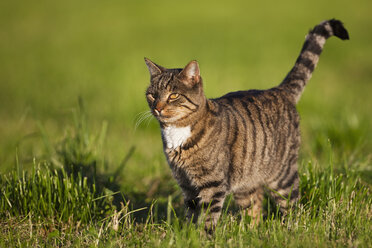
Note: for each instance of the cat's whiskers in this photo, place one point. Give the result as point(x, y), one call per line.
point(142, 113)
point(148, 120)
point(141, 117)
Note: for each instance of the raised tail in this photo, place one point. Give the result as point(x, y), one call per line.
point(296, 80)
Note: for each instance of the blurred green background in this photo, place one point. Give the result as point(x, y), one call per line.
point(52, 52)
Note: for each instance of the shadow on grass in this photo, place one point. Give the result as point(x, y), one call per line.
point(80, 154)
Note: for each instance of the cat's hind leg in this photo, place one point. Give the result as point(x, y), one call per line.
point(285, 190)
point(250, 201)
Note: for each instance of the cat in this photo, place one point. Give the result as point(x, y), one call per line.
point(244, 142)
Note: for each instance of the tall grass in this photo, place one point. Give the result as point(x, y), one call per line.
point(51, 193)
point(68, 185)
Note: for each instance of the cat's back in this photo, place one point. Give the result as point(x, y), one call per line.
point(269, 102)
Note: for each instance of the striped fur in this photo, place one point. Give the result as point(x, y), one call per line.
point(241, 143)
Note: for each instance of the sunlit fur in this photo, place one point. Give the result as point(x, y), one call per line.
point(243, 143)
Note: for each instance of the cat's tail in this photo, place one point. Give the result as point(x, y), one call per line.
point(296, 80)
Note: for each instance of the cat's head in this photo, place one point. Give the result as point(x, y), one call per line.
point(175, 95)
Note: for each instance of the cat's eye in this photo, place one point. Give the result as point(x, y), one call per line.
point(150, 97)
point(173, 96)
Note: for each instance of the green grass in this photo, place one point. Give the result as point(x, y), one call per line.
point(77, 174)
point(50, 209)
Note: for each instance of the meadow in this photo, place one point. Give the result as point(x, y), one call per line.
point(80, 166)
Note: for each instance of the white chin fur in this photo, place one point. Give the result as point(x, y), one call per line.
point(175, 136)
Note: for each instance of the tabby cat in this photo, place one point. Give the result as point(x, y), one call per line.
point(243, 143)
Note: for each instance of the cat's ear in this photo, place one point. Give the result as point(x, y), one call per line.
point(190, 74)
point(154, 69)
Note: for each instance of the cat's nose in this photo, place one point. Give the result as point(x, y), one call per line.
point(158, 108)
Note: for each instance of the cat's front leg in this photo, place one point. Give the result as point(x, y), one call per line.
point(210, 204)
point(191, 200)
point(192, 208)
point(205, 204)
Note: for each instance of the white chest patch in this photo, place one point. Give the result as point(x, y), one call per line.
point(175, 136)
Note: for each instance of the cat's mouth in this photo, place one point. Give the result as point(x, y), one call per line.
point(164, 118)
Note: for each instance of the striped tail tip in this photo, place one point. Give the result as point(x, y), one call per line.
point(297, 78)
point(338, 29)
